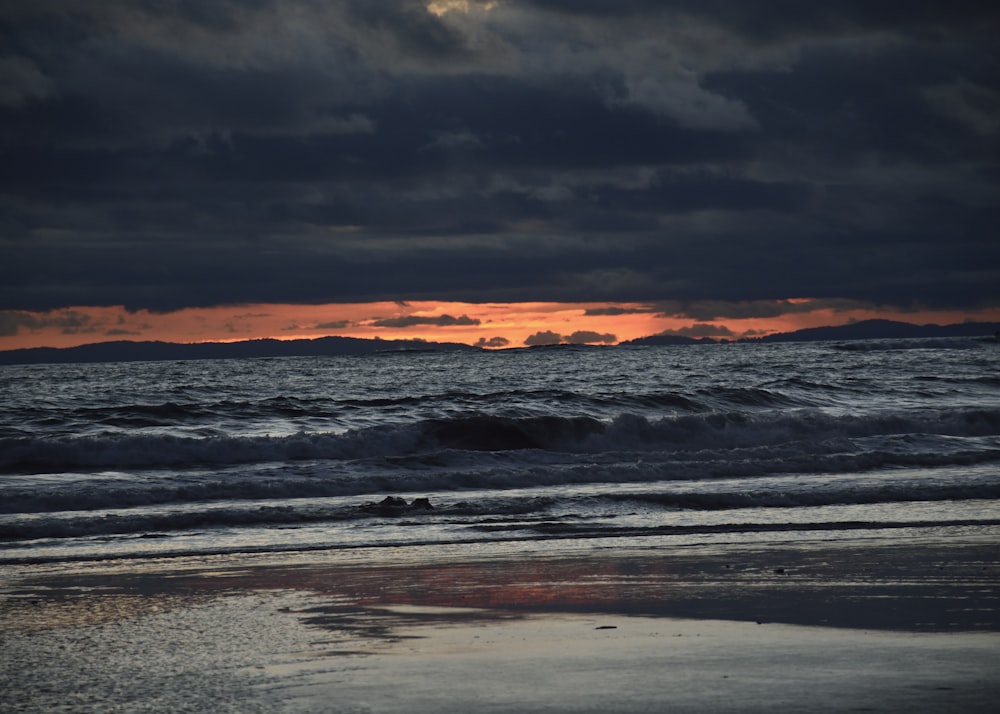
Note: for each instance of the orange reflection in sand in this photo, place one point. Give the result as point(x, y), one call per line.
point(612, 583)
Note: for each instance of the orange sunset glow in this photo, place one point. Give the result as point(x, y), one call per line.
point(492, 325)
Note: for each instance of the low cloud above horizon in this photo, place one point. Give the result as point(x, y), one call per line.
point(712, 169)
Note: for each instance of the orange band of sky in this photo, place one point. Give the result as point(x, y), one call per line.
point(486, 324)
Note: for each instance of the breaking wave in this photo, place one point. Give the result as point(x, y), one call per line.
point(486, 433)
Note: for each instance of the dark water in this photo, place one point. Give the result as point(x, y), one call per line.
point(733, 442)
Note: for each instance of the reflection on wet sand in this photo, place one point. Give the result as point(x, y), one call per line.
point(893, 587)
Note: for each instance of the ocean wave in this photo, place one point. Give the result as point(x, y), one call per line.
point(496, 475)
point(923, 343)
point(810, 498)
point(815, 429)
point(495, 511)
point(158, 523)
point(183, 413)
point(355, 411)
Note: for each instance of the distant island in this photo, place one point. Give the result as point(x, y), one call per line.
point(129, 351)
point(670, 339)
point(863, 330)
point(884, 330)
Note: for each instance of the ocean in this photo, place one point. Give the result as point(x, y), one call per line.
point(729, 443)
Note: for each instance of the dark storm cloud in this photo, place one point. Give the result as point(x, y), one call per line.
point(580, 337)
point(69, 322)
point(493, 342)
point(704, 329)
point(543, 339)
point(416, 320)
point(588, 337)
point(772, 19)
point(159, 155)
point(708, 310)
point(615, 311)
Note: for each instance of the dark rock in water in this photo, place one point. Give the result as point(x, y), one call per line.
point(394, 505)
point(390, 505)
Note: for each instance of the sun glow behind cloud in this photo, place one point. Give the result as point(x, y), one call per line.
point(484, 324)
point(443, 7)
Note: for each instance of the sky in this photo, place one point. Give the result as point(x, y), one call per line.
point(501, 172)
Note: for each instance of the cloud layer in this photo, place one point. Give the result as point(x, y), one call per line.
point(166, 155)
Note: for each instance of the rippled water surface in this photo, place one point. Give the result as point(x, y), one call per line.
point(699, 442)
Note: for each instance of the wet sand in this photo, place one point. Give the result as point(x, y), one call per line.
point(851, 627)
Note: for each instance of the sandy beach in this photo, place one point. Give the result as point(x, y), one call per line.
point(850, 627)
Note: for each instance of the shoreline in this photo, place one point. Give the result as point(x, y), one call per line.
point(622, 628)
point(932, 585)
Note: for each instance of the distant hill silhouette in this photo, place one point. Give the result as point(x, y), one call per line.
point(127, 351)
point(885, 329)
point(669, 340)
point(864, 330)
